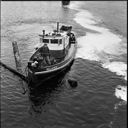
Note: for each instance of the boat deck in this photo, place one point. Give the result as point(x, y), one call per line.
point(42, 66)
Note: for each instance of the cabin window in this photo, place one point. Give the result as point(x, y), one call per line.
point(54, 41)
point(45, 40)
point(60, 41)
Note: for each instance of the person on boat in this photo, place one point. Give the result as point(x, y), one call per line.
point(71, 38)
point(45, 54)
point(35, 63)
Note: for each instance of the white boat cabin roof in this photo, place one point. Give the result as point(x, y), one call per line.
point(55, 41)
point(53, 35)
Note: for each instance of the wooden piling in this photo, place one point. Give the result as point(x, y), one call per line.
point(18, 64)
point(17, 57)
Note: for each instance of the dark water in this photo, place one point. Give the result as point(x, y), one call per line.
point(99, 99)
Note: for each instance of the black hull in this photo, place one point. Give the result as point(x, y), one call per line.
point(51, 77)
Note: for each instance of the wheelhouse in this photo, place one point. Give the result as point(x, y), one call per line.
point(56, 42)
point(61, 49)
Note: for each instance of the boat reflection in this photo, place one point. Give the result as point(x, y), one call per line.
point(43, 94)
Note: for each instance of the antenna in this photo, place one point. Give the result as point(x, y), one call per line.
point(57, 27)
point(43, 33)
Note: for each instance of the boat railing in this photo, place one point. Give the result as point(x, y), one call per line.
point(50, 67)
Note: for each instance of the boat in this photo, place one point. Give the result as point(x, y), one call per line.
point(65, 2)
point(62, 47)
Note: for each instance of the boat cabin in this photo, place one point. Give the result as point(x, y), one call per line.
point(55, 42)
point(58, 43)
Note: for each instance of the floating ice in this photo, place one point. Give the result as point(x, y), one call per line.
point(99, 44)
point(119, 67)
point(121, 92)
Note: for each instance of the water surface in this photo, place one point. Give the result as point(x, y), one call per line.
point(99, 100)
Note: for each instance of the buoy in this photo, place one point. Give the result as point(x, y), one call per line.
point(72, 82)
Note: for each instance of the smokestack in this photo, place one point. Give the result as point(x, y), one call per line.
point(57, 27)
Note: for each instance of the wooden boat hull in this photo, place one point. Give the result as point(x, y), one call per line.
point(52, 72)
point(37, 80)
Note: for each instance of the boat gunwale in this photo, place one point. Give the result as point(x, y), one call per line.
point(66, 62)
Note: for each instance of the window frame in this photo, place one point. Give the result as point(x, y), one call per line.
point(54, 39)
point(45, 42)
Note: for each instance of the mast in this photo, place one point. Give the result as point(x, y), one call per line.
point(57, 27)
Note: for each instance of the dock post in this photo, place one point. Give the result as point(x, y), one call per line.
point(18, 64)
